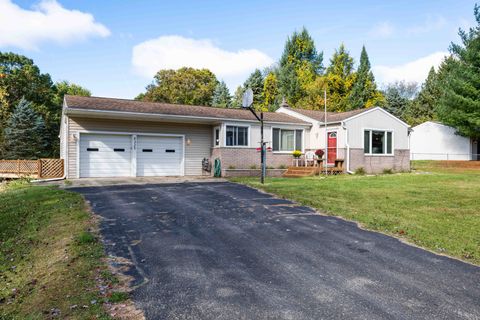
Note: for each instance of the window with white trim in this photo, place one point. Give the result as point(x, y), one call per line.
point(287, 140)
point(217, 137)
point(378, 142)
point(236, 136)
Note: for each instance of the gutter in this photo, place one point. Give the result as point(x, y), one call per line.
point(348, 148)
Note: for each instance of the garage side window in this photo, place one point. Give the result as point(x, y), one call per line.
point(378, 142)
point(236, 136)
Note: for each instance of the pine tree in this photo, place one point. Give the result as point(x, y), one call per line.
point(459, 105)
point(299, 65)
point(364, 93)
point(255, 82)
point(423, 106)
point(24, 133)
point(399, 97)
point(339, 80)
point(270, 92)
point(221, 96)
point(238, 97)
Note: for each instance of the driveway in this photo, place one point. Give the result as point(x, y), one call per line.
point(226, 251)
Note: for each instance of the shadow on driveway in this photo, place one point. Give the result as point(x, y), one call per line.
point(226, 251)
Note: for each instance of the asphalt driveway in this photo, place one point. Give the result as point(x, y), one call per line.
point(226, 251)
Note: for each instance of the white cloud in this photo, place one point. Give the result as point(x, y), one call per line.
point(47, 21)
point(382, 30)
point(432, 23)
point(173, 52)
point(415, 71)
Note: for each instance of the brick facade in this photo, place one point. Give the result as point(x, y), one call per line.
point(245, 158)
point(400, 161)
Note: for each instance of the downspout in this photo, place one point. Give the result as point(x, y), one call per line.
point(348, 148)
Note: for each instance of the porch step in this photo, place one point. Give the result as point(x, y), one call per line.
point(293, 172)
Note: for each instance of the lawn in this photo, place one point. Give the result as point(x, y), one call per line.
point(50, 257)
point(435, 207)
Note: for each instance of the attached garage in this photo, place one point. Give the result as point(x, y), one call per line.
point(159, 156)
point(126, 155)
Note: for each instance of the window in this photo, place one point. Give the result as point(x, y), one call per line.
point(377, 142)
point(217, 136)
point(236, 136)
point(287, 140)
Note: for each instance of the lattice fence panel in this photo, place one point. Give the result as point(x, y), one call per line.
point(19, 166)
point(51, 168)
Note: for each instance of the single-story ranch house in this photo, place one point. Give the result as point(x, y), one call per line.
point(105, 137)
point(435, 141)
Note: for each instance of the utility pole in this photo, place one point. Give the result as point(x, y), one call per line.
point(326, 133)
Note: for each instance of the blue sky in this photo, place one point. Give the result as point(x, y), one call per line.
point(114, 47)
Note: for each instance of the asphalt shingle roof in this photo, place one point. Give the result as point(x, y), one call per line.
point(331, 116)
point(134, 106)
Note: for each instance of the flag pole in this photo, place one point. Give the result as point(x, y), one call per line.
point(326, 133)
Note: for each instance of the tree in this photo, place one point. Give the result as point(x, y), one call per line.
point(24, 133)
point(183, 86)
point(64, 87)
point(399, 97)
point(255, 82)
point(339, 80)
point(299, 64)
point(221, 96)
point(459, 105)
point(423, 106)
point(364, 92)
point(270, 92)
point(238, 97)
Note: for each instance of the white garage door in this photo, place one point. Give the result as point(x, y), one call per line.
point(103, 155)
point(159, 156)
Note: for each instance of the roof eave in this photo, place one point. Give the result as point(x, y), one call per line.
point(127, 115)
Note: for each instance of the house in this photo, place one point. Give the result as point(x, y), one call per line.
point(435, 141)
point(369, 138)
point(105, 137)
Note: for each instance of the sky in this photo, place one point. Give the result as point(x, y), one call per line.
point(114, 48)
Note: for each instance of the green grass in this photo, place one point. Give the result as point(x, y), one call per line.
point(433, 207)
point(50, 257)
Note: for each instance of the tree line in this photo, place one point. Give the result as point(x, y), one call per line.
point(30, 109)
point(450, 94)
point(31, 104)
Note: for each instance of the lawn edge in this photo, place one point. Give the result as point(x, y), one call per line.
point(359, 225)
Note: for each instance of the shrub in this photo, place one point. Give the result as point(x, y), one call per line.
point(282, 166)
point(319, 153)
point(270, 167)
point(360, 171)
point(253, 166)
point(387, 171)
point(297, 153)
point(231, 167)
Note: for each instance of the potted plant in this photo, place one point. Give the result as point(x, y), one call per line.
point(296, 156)
point(319, 153)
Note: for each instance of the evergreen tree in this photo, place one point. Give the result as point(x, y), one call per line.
point(238, 97)
point(399, 97)
point(339, 80)
point(423, 106)
point(255, 82)
point(270, 92)
point(364, 93)
point(221, 96)
point(459, 105)
point(299, 59)
point(24, 133)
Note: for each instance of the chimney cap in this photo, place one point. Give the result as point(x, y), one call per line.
point(284, 103)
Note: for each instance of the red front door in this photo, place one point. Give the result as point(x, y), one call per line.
point(332, 147)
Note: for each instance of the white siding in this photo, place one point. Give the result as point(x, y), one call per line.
point(435, 141)
point(376, 119)
point(199, 138)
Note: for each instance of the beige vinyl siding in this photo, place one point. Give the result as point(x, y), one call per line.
point(200, 137)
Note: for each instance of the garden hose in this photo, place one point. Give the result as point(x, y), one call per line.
point(217, 168)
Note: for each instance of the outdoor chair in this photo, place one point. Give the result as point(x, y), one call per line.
point(310, 158)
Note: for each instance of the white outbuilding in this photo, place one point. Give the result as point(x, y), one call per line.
point(435, 141)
